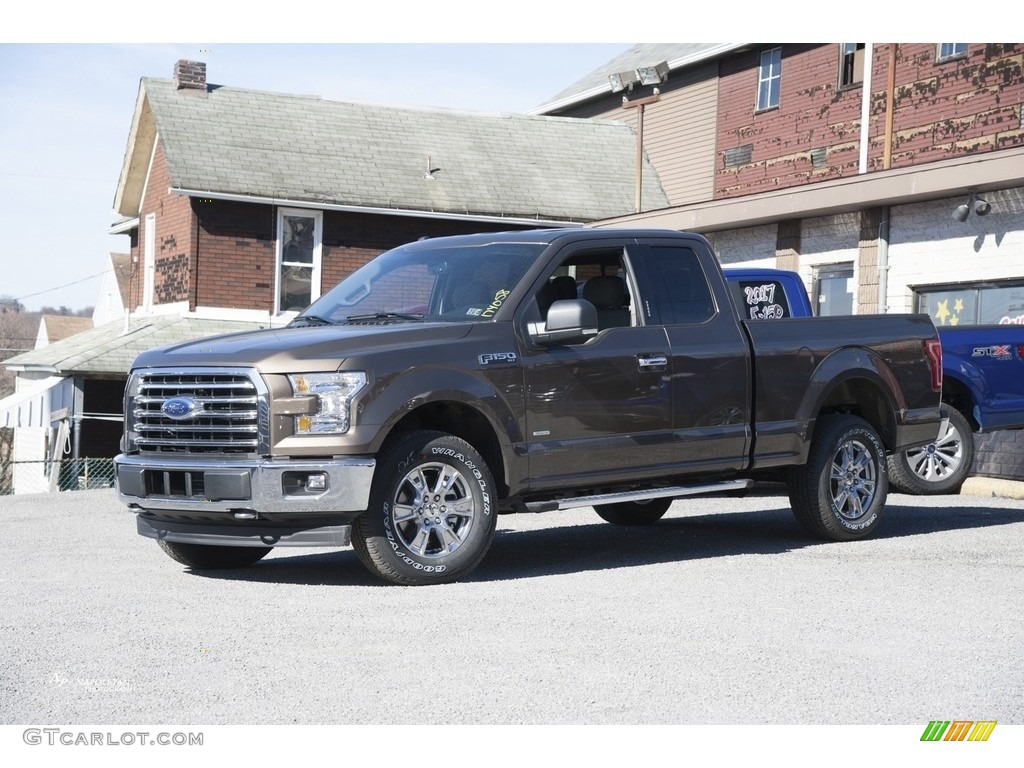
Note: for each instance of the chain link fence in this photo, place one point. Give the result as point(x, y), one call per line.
point(64, 475)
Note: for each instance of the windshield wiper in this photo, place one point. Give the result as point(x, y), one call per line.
point(383, 317)
point(306, 320)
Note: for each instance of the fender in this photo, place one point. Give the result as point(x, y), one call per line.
point(420, 386)
point(842, 366)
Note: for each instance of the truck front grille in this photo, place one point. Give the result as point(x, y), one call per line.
point(196, 412)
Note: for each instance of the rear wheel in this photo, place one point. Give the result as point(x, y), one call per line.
point(202, 556)
point(939, 467)
point(432, 513)
point(839, 494)
point(634, 512)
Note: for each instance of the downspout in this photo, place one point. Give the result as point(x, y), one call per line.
point(865, 110)
point(76, 441)
point(890, 107)
point(883, 261)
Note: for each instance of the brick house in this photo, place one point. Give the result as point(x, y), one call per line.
point(844, 162)
point(242, 206)
point(251, 204)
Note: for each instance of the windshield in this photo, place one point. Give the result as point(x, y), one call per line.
point(421, 281)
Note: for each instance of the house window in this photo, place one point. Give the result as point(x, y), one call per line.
point(949, 51)
point(833, 290)
point(769, 79)
point(851, 64)
point(977, 304)
point(299, 246)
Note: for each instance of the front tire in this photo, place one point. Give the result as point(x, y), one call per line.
point(204, 557)
point(432, 513)
point(839, 494)
point(634, 512)
point(939, 467)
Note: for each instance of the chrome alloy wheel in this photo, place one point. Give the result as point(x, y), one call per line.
point(434, 510)
point(939, 460)
point(853, 479)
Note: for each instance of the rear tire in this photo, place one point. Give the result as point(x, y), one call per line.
point(634, 512)
point(432, 514)
point(939, 467)
point(204, 557)
point(839, 494)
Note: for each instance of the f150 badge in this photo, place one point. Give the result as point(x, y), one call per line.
point(492, 358)
point(1000, 352)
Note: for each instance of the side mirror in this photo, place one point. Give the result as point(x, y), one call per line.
point(569, 320)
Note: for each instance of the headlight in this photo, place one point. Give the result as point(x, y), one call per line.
point(334, 393)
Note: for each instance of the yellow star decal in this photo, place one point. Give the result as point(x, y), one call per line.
point(943, 312)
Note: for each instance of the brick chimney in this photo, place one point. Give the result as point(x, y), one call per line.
point(190, 75)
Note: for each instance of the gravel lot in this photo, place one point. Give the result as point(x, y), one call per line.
point(723, 613)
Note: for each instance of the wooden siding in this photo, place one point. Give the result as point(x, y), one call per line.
point(679, 130)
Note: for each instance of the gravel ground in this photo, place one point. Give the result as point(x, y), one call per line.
point(722, 613)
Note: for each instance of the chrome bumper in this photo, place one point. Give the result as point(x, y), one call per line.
point(246, 487)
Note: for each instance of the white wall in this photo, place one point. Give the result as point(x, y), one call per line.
point(929, 247)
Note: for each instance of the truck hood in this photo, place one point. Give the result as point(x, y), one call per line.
point(308, 349)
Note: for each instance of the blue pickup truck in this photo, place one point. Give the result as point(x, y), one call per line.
point(982, 385)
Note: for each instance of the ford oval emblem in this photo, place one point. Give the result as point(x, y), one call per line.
point(180, 408)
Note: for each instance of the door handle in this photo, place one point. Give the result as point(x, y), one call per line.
point(647, 362)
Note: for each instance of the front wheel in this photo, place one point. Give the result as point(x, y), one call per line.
point(939, 467)
point(839, 494)
point(432, 513)
point(634, 512)
point(202, 556)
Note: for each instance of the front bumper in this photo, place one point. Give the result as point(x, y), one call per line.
point(248, 488)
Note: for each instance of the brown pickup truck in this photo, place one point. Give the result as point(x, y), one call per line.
point(455, 379)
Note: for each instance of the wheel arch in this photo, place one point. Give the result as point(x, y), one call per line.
point(957, 393)
point(858, 382)
point(462, 420)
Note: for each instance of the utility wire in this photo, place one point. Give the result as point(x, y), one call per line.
point(50, 290)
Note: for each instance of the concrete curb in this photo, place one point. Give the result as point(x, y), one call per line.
point(991, 486)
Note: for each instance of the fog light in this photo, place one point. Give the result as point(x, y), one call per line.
point(316, 481)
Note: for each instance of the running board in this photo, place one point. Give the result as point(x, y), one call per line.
point(644, 495)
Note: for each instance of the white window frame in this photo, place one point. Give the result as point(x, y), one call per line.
point(769, 78)
point(955, 51)
point(149, 262)
point(852, 54)
point(280, 264)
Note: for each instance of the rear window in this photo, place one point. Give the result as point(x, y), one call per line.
point(761, 299)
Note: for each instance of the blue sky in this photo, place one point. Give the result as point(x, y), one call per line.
point(68, 109)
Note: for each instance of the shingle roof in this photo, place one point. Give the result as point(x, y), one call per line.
point(61, 326)
point(107, 349)
point(304, 148)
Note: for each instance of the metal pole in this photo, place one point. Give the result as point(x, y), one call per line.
point(639, 105)
point(639, 156)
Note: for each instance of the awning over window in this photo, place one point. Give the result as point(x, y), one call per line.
point(33, 404)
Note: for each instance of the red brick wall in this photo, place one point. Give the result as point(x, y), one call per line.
point(941, 111)
point(174, 225)
point(812, 114)
point(236, 255)
point(949, 109)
